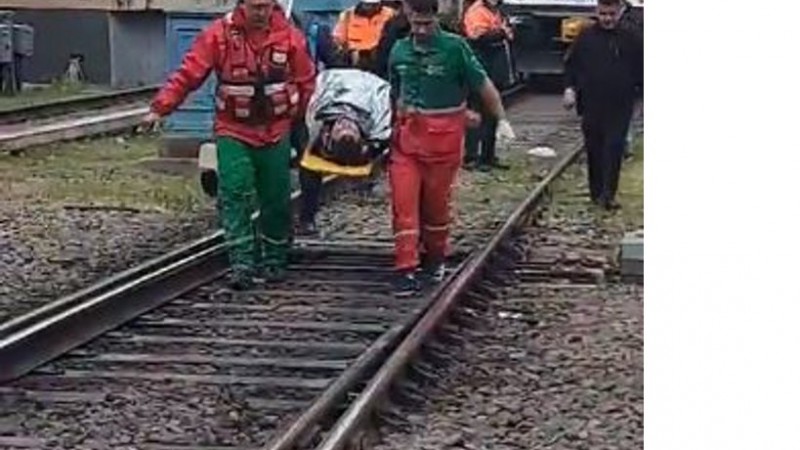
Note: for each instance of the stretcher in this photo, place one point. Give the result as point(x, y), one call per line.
point(359, 97)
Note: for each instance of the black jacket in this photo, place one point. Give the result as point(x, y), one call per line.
point(395, 29)
point(606, 67)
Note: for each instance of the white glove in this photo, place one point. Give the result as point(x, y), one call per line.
point(569, 98)
point(150, 122)
point(505, 133)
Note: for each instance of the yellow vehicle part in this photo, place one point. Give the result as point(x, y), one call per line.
point(571, 27)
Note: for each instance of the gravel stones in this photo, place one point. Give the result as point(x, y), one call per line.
point(48, 251)
point(553, 366)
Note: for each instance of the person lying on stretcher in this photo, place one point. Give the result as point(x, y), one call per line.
point(349, 122)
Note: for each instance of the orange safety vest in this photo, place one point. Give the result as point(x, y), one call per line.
point(356, 32)
point(479, 20)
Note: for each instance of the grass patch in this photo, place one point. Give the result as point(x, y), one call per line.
point(39, 95)
point(631, 189)
point(496, 193)
point(571, 194)
point(101, 172)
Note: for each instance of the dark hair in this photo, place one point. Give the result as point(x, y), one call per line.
point(609, 2)
point(426, 7)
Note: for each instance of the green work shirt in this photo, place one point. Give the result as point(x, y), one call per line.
point(435, 76)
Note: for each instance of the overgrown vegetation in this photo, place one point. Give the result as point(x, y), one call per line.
point(571, 193)
point(103, 172)
point(57, 90)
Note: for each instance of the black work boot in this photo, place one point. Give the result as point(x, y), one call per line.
point(241, 281)
point(274, 274)
point(307, 229)
point(405, 284)
point(496, 164)
point(611, 205)
point(433, 272)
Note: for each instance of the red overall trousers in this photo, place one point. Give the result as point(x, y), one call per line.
point(425, 158)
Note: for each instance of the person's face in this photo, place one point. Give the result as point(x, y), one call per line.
point(258, 12)
point(423, 26)
point(608, 15)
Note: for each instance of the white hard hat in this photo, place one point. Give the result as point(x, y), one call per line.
point(370, 2)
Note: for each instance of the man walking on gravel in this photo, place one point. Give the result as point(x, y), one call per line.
point(604, 72)
point(265, 78)
point(431, 73)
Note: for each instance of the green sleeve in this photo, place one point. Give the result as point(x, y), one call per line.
point(474, 74)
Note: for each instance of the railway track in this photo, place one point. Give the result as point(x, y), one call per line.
point(164, 356)
point(72, 118)
point(548, 354)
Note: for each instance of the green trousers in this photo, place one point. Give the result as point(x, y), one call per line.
point(255, 178)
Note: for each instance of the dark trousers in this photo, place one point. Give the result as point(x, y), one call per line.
point(310, 182)
point(604, 134)
point(310, 186)
point(480, 141)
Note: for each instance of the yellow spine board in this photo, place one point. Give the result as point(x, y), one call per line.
point(317, 164)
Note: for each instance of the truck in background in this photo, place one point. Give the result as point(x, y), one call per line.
point(544, 30)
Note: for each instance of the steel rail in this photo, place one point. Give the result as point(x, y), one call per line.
point(180, 253)
point(23, 113)
point(47, 332)
point(293, 435)
point(366, 363)
point(35, 338)
point(368, 400)
point(72, 128)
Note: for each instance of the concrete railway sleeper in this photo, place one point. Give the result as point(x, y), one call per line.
point(178, 361)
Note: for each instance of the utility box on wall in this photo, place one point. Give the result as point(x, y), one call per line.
point(16, 44)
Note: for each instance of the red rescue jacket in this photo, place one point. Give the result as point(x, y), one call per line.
point(264, 78)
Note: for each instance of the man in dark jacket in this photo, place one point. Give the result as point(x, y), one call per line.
point(604, 73)
point(395, 29)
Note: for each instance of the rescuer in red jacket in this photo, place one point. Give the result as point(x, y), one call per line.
point(265, 78)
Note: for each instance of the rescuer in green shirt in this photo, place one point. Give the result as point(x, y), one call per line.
point(431, 73)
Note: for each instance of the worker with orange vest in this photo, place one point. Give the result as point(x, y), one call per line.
point(489, 35)
point(359, 29)
point(265, 78)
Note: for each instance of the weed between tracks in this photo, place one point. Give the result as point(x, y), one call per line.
point(496, 193)
point(572, 195)
point(35, 96)
point(102, 172)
